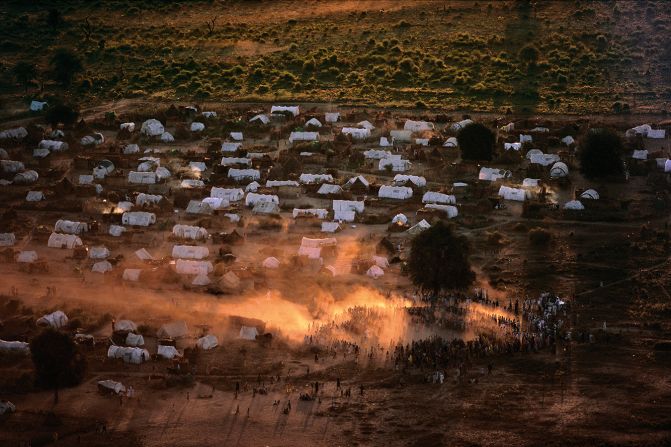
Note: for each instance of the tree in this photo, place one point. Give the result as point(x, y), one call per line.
point(65, 65)
point(601, 154)
point(57, 361)
point(54, 18)
point(24, 72)
point(476, 142)
point(62, 114)
point(529, 54)
point(439, 260)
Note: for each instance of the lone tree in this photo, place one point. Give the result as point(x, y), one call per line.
point(57, 361)
point(439, 260)
point(476, 142)
point(65, 65)
point(62, 114)
point(601, 154)
point(24, 72)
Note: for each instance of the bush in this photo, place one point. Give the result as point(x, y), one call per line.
point(476, 142)
point(539, 236)
point(601, 154)
point(62, 114)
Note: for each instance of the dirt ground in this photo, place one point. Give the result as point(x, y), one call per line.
point(612, 391)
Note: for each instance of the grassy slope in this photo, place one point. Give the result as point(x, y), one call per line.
point(452, 55)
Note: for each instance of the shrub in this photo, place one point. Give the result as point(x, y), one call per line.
point(476, 142)
point(539, 236)
point(601, 154)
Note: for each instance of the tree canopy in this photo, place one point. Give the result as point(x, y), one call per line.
point(476, 142)
point(57, 361)
point(62, 114)
point(439, 260)
point(601, 154)
point(24, 72)
point(65, 65)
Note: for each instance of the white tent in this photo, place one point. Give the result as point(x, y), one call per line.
point(558, 170)
point(402, 218)
point(451, 142)
point(125, 326)
point(544, 159)
point(294, 110)
point(366, 124)
point(384, 142)
point(6, 407)
point(92, 140)
point(326, 189)
point(53, 145)
point(266, 208)
point(189, 183)
point(143, 255)
point(492, 174)
point(7, 239)
point(344, 216)
point(271, 263)
point(568, 140)
point(37, 106)
point(131, 149)
point(111, 385)
point(394, 192)
point(401, 179)
point(381, 261)
point(332, 117)
point(303, 136)
point(590, 194)
point(26, 177)
point(99, 253)
point(244, 174)
point(56, 319)
point(141, 178)
point(437, 197)
point(167, 137)
point(640, 154)
point(397, 164)
point(230, 147)
point(14, 346)
point(375, 272)
point(128, 354)
point(358, 178)
point(253, 198)
point(313, 122)
point(11, 166)
point(197, 127)
point(189, 232)
point(230, 281)
point(216, 203)
point(310, 212)
point(348, 205)
point(131, 274)
point(530, 183)
point(152, 128)
point(86, 179)
point(515, 194)
point(59, 240)
point(657, 133)
point(404, 136)
point(263, 119)
point(148, 199)
point(232, 161)
point(198, 207)
point(17, 133)
point(130, 127)
point(574, 205)
point(376, 154)
point(34, 196)
point(230, 194)
point(419, 227)
point(279, 183)
point(248, 333)
point(356, 133)
point(40, 153)
point(134, 339)
point(101, 267)
point(643, 129)
point(310, 179)
point(252, 187)
point(201, 280)
point(235, 218)
point(189, 267)
point(418, 126)
point(138, 218)
point(512, 146)
point(28, 256)
point(461, 124)
point(207, 342)
point(450, 210)
point(174, 330)
point(526, 138)
point(190, 252)
point(330, 227)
